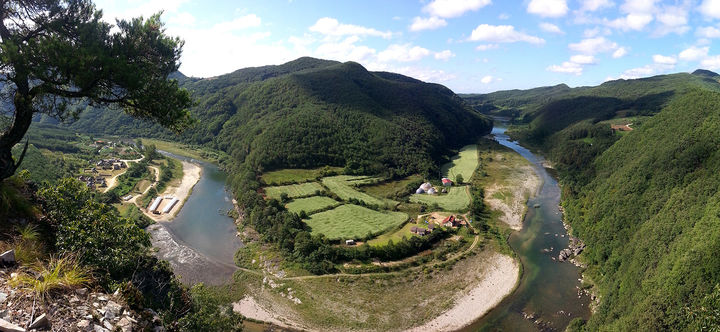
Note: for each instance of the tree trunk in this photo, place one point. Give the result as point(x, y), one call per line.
point(21, 123)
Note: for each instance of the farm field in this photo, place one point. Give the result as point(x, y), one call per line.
point(294, 190)
point(342, 186)
point(352, 221)
point(311, 204)
point(391, 188)
point(291, 175)
point(463, 164)
point(396, 236)
point(457, 199)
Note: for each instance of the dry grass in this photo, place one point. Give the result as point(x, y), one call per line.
point(58, 274)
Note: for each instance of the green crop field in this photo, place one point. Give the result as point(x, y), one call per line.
point(390, 188)
point(311, 204)
point(352, 221)
point(342, 186)
point(457, 199)
point(291, 175)
point(464, 164)
point(294, 190)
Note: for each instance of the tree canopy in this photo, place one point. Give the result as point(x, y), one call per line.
point(59, 54)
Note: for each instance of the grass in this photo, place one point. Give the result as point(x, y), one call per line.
point(353, 222)
point(294, 190)
point(60, 273)
point(396, 236)
point(183, 150)
point(391, 188)
point(286, 176)
point(311, 204)
point(457, 199)
point(342, 186)
point(463, 164)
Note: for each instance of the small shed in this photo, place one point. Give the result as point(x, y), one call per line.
point(350, 242)
point(447, 182)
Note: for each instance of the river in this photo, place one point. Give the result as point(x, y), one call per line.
point(200, 241)
point(548, 289)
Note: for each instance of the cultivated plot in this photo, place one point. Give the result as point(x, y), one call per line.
point(294, 190)
point(457, 199)
point(464, 163)
point(352, 221)
point(311, 204)
point(343, 186)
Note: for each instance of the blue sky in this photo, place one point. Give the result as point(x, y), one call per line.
point(469, 46)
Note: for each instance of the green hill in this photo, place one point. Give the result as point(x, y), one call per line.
point(312, 112)
point(645, 201)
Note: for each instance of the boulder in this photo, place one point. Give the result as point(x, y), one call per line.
point(6, 326)
point(39, 322)
point(8, 257)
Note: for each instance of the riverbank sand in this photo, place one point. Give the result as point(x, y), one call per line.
point(191, 175)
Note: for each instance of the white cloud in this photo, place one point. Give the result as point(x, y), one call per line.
point(582, 59)
point(694, 53)
point(593, 5)
point(673, 19)
point(630, 22)
point(453, 8)
point(596, 31)
point(638, 6)
point(444, 55)
point(183, 18)
point(502, 34)
point(429, 23)
point(619, 53)
point(403, 53)
point(548, 8)
point(664, 60)
point(345, 50)
point(639, 72)
point(331, 27)
point(710, 8)
point(567, 67)
point(487, 79)
point(240, 23)
point(503, 16)
point(485, 47)
point(552, 28)
point(712, 63)
point(423, 74)
point(708, 32)
point(594, 46)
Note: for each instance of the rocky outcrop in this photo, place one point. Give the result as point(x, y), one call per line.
point(79, 310)
point(575, 247)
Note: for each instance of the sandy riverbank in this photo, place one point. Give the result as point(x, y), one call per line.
point(191, 175)
point(499, 280)
point(511, 189)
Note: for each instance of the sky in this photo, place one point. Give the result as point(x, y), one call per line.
point(470, 46)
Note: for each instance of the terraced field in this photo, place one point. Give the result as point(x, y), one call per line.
point(343, 186)
point(311, 204)
point(352, 222)
point(464, 163)
point(457, 199)
point(292, 175)
point(294, 190)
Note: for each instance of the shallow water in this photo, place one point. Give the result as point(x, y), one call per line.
point(202, 223)
point(548, 288)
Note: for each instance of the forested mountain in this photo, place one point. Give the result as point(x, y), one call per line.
point(645, 201)
point(312, 112)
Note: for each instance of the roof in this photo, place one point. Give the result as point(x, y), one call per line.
point(446, 180)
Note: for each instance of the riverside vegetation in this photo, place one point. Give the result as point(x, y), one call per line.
point(643, 201)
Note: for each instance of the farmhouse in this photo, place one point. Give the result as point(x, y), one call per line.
point(451, 221)
point(418, 230)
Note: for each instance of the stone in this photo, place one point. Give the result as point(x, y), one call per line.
point(108, 325)
point(83, 324)
point(39, 322)
point(8, 257)
point(98, 328)
point(81, 291)
point(3, 297)
point(6, 326)
point(125, 325)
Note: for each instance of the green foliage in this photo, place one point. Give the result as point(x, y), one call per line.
point(311, 204)
point(210, 313)
point(649, 214)
point(293, 190)
point(60, 273)
point(462, 165)
point(344, 187)
point(128, 180)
